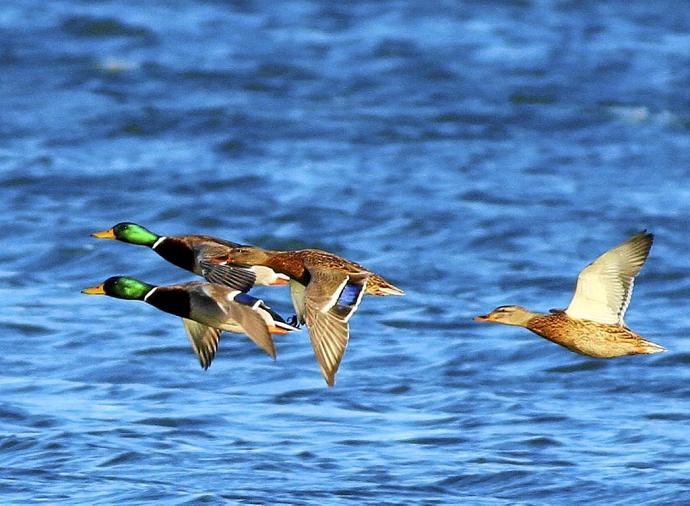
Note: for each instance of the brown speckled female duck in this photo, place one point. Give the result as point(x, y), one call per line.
point(326, 291)
point(593, 323)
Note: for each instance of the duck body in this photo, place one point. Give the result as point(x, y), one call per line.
point(206, 309)
point(298, 264)
point(213, 305)
point(590, 338)
point(199, 254)
point(326, 291)
point(593, 323)
point(196, 253)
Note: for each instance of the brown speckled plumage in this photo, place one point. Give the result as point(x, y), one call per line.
point(590, 338)
point(296, 263)
point(593, 323)
point(326, 291)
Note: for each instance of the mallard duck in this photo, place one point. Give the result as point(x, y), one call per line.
point(593, 323)
point(206, 309)
point(326, 291)
point(198, 254)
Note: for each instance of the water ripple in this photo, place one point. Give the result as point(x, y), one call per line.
point(476, 157)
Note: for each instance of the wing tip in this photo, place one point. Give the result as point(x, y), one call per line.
point(644, 237)
point(266, 344)
point(204, 361)
point(328, 371)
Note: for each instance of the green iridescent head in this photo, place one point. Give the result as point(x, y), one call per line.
point(121, 287)
point(128, 232)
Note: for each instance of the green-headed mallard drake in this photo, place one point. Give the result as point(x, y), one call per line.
point(196, 253)
point(326, 291)
point(593, 323)
point(206, 309)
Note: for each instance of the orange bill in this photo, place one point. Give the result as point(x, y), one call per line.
point(276, 330)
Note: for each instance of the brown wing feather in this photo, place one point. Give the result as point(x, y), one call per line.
point(204, 340)
point(328, 332)
point(329, 336)
point(254, 326)
point(210, 304)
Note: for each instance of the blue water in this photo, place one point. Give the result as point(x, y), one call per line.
point(474, 153)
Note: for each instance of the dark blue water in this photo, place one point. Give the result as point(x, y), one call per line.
point(474, 153)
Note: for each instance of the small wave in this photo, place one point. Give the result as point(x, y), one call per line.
point(87, 26)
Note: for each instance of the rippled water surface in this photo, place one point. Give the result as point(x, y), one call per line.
point(474, 153)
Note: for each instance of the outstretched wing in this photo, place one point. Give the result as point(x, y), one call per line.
point(214, 305)
point(604, 288)
point(204, 341)
point(331, 298)
point(253, 325)
point(237, 278)
point(210, 257)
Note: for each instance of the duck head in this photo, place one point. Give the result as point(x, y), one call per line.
point(507, 315)
point(128, 232)
point(121, 287)
point(248, 255)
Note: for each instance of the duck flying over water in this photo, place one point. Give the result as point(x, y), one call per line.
point(593, 323)
point(198, 254)
point(326, 291)
point(206, 309)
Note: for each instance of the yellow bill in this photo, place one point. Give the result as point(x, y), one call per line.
point(105, 234)
point(94, 290)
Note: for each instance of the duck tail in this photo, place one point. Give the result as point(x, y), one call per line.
point(379, 286)
point(648, 347)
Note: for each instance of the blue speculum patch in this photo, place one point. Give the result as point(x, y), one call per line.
point(348, 297)
point(245, 299)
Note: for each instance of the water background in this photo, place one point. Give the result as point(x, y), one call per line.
point(474, 153)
